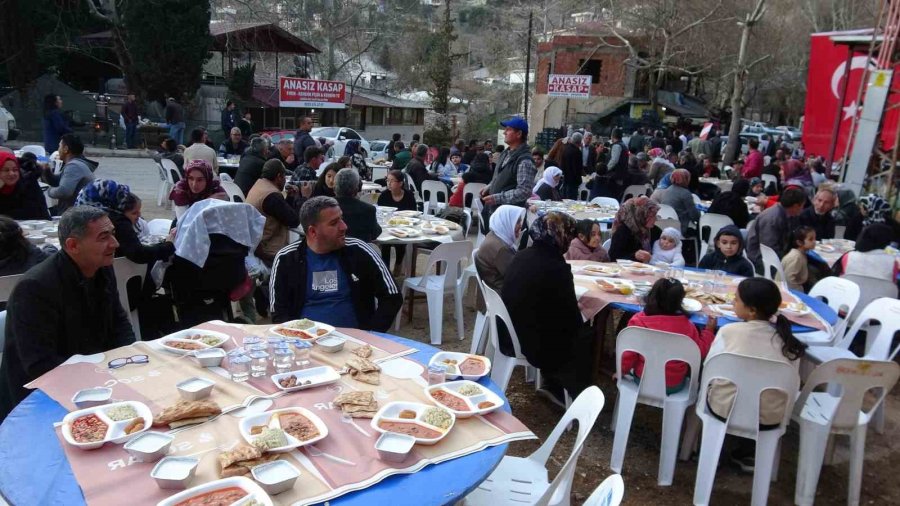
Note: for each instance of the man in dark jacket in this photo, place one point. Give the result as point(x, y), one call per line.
point(284, 152)
point(251, 164)
point(234, 144)
point(64, 306)
point(330, 278)
point(175, 119)
point(773, 226)
point(303, 140)
point(416, 168)
point(130, 117)
point(818, 216)
point(229, 116)
point(358, 215)
point(572, 167)
point(636, 142)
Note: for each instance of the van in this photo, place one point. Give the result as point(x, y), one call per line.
point(8, 130)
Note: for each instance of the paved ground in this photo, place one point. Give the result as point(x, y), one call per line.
point(880, 485)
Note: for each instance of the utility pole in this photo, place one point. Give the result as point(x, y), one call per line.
point(527, 64)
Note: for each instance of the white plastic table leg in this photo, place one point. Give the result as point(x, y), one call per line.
point(435, 300)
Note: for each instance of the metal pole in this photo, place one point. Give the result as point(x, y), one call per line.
point(527, 63)
point(839, 114)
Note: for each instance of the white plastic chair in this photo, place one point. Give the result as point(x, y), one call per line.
point(696, 198)
point(125, 271)
point(474, 209)
point(159, 226)
point(605, 201)
point(469, 273)
point(411, 184)
point(750, 376)
point(502, 367)
point(2, 332)
point(481, 326)
point(769, 179)
point(162, 191)
point(666, 212)
point(635, 190)
point(519, 480)
point(869, 290)
point(434, 286)
point(34, 149)
point(234, 191)
point(725, 185)
point(771, 261)
point(7, 283)
point(713, 222)
point(822, 415)
point(584, 194)
point(658, 348)
point(172, 175)
point(608, 493)
point(433, 189)
point(841, 295)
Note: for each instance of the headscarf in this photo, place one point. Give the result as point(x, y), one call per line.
point(877, 209)
point(741, 187)
point(874, 237)
point(6, 156)
point(104, 194)
point(795, 169)
point(547, 179)
point(554, 229)
point(755, 181)
point(633, 214)
point(656, 153)
point(681, 177)
point(182, 195)
point(352, 147)
point(503, 224)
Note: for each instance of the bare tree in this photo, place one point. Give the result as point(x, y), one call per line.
point(740, 75)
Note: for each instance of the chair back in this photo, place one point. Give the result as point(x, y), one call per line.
point(496, 308)
point(886, 312)
point(696, 198)
point(658, 349)
point(608, 493)
point(127, 270)
point(856, 379)
point(411, 184)
point(2, 332)
point(666, 212)
point(473, 189)
point(34, 149)
point(607, 243)
point(451, 254)
point(750, 376)
point(711, 223)
point(768, 179)
point(771, 262)
point(605, 201)
point(173, 175)
point(725, 186)
point(584, 193)
point(869, 290)
point(234, 191)
point(430, 192)
point(159, 226)
point(7, 283)
point(584, 409)
point(636, 190)
point(841, 295)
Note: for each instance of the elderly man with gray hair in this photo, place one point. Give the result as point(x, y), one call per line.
point(416, 168)
point(234, 145)
point(252, 164)
point(332, 278)
point(66, 305)
point(358, 215)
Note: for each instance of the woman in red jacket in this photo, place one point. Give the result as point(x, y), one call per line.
point(662, 311)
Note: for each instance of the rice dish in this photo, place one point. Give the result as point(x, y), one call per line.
point(270, 438)
point(119, 413)
point(303, 324)
point(437, 417)
point(469, 390)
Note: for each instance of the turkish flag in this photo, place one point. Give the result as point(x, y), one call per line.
point(826, 76)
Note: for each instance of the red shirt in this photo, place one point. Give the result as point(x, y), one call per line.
point(679, 324)
point(753, 165)
point(456, 200)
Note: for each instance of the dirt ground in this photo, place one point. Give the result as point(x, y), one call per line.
point(731, 486)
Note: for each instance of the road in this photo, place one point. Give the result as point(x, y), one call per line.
point(141, 175)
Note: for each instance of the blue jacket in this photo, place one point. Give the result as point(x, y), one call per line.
point(229, 120)
point(55, 126)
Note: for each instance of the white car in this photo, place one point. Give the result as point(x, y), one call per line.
point(379, 150)
point(339, 137)
point(8, 130)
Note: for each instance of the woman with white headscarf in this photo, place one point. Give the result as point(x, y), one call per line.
point(499, 247)
point(547, 187)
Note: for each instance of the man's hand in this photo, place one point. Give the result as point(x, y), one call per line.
point(488, 200)
point(171, 236)
point(642, 256)
point(306, 189)
point(484, 191)
point(290, 159)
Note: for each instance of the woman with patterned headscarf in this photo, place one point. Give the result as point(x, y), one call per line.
point(357, 159)
point(199, 183)
point(634, 230)
point(681, 199)
point(539, 294)
point(124, 210)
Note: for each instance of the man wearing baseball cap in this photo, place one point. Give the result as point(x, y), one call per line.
point(514, 174)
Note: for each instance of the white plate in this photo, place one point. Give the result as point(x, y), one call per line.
point(615, 282)
point(269, 418)
point(691, 305)
point(181, 336)
point(825, 248)
point(403, 221)
point(408, 214)
point(724, 309)
point(279, 330)
point(317, 376)
point(254, 491)
point(606, 270)
point(391, 412)
point(796, 308)
point(115, 431)
point(453, 372)
point(453, 387)
point(386, 209)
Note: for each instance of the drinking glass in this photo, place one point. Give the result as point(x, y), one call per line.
point(302, 351)
point(284, 359)
point(437, 374)
point(259, 363)
point(273, 342)
point(251, 341)
point(239, 367)
point(721, 279)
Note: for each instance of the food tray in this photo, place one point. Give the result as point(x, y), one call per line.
point(391, 413)
point(796, 308)
point(182, 337)
point(452, 387)
point(691, 305)
point(605, 270)
point(317, 376)
point(453, 372)
point(310, 334)
point(408, 214)
point(270, 419)
point(724, 309)
point(403, 221)
point(254, 492)
point(115, 431)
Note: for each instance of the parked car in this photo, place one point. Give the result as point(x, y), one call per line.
point(379, 150)
point(791, 133)
point(8, 130)
point(277, 135)
point(339, 137)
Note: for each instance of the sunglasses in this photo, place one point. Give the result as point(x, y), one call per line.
point(122, 362)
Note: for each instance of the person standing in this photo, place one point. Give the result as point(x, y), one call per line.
point(514, 176)
point(229, 116)
point(303, 139)
point(613, 185)
point(54, 123)
point(588, 153)
point(131, 118)
point(753, 164)
point(636, 143)
point(175, 119)
point(246, 125)
point(572, 167)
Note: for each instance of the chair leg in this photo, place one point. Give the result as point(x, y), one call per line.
point(857, 454)
point(533, 375)
point(673, 418)
point(458, 309)
point(435, 315)
point(813, 445)
point(710, 449)
point(766, 453)
point(478, 334)
point(626, 402)
point(878, 417)
point(689, 440)
point(502, 370)
point(405, 292)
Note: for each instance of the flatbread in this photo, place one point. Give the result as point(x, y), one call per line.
point(362, 364)
point(372, 377)
point(242, 452)
point(355, 398)
point(189, 421)
point(364, 351)
point(242, 467)
point(183, 410)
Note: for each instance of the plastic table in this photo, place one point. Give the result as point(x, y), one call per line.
point(34, 469)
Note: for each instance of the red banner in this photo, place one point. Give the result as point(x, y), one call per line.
point(297, 92)
point(828, 73)
point(569, 86)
